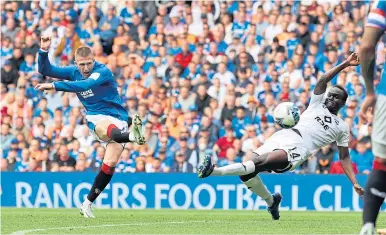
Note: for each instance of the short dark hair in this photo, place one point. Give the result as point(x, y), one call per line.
point(84, 51)
point(345, 94)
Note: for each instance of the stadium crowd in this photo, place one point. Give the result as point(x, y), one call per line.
point(205, 77)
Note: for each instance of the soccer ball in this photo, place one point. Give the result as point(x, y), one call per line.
point(286, 115)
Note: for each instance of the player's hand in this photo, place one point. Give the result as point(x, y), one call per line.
point(45, 87)
point(353, 59)
point(360, 191)
point(45, 43)
point(367, 105)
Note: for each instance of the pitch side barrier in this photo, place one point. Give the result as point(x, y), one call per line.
point(179, 191)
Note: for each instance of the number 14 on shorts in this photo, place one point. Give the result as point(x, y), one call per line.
point(293, 154)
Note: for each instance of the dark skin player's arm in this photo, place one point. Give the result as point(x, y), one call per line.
point(345, 160)
point(323, 81)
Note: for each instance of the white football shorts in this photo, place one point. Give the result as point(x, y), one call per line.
point(92, 120)
point(289, 141)
point(378, 135)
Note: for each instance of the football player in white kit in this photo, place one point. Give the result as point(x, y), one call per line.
point(288, 148)
point(376, 183)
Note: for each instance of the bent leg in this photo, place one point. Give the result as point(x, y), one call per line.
point(273, 161)
point(276, 160)
point(107, 131)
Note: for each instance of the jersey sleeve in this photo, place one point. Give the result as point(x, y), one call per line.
point(96, 79)
point(47, 69)
point(344, 137)
point(316, 99)
point(377, 16)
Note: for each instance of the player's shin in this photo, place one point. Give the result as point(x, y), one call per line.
point(100, 182)
point(114, 133)
point(255, 184)
point(245, 168)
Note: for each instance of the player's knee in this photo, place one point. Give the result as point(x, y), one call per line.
point(101, 130)
point(245, 178)
point(258, 159)
point(110, 162)
point(366, 46)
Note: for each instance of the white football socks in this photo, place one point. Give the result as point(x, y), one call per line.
point(368, 229)
point(235, 169)
point(87, 202)
point(256, 185)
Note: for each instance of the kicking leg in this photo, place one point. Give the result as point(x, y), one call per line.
point(270, 161)
point(374, 196)
point(107, 131)
point(112, 155)
point(207, 168)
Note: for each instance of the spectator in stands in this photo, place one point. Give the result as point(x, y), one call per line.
point(183, 71)
point(66, 163)
point(324, 158)
point(336, 168)
point(362, 157)
point(68, 44)
point(224, 143)
point(4, 165)
point(9, 75)
point(181, 165)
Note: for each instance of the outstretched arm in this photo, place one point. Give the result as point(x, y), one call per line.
point(46, 68)
point(321, 85)
point(345, 160)
point(95, 79)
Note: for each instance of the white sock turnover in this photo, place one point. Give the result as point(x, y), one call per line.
point(235, 169)
point(87, 202)
point(256, 185)
point(131, 136)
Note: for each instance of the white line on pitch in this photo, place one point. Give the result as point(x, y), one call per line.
point(21, 232)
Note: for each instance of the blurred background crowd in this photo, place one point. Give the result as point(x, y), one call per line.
point(205, 77)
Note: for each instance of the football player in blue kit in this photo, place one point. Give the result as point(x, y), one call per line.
point(106, 117)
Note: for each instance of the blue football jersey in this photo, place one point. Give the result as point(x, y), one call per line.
point(98, 93)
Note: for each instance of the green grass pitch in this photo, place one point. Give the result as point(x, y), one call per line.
point(69, 221)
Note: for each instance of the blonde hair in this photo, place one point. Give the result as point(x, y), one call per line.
point(84, 51)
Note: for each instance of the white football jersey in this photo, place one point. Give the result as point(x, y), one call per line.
point(319, 127)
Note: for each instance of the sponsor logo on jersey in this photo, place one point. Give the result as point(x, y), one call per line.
point(95, 76)
point(324, 122)
point(86, 94)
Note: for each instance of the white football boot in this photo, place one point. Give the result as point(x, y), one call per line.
point(86, 210)
point(138, 131)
